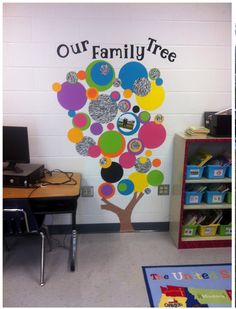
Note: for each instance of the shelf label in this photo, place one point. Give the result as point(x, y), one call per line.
point(188, 232)
point(208, 230)
point(216, 198)
point(218, 172)
point(194, 199)
point(194, 173)
point(228, 230)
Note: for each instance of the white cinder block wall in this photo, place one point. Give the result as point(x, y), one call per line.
point(198, 80)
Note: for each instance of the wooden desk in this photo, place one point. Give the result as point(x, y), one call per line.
point(53, 198)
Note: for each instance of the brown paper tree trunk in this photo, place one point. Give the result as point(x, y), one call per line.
point(124, 215)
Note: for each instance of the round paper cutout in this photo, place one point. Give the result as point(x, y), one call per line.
point(128, 123)
point(125, 187)
point(106, 190)
point(113, 173)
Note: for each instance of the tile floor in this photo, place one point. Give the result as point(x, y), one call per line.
point(108, 272)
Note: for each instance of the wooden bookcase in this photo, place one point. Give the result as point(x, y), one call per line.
point(183, 147)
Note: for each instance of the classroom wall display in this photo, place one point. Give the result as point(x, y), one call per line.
point(114, 120)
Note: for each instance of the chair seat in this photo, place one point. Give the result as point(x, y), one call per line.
point(19, 220)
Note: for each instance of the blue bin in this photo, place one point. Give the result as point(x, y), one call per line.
point(214, 197)
point(194, 171)
point(229, 171)
point(192, 198)
point(215, 171)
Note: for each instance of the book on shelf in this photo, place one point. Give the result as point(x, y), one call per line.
point(197, 131)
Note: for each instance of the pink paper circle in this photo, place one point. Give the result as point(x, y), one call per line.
point(152, 135)
point(94, 151)
point(127, 160)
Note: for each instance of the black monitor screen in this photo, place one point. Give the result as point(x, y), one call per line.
point(15, 146)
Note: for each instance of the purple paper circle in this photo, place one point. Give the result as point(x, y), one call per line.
point(139, 144)
point(96, 128)
point(72, 96)
point(107, 189)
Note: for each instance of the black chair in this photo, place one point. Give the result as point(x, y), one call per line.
point(19, 220)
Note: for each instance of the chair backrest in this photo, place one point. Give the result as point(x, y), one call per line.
point(18, 217)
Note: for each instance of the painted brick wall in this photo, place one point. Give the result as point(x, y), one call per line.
point(198, 80)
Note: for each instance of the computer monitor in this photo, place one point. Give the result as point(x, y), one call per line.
point(15, 147)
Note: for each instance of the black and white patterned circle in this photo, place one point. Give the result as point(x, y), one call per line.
point(124, 105)
point(141, 87)
point(104, 69)
point(117, 82)
point(103, 110)
point(72, 77)
point(143, 167)
point(154, 73)
point(83, 146)
point(147, 190)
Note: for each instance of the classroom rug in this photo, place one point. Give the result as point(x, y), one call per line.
point(178, 286)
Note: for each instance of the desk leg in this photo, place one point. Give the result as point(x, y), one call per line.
point(73, 245)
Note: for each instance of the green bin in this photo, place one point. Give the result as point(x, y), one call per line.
point(189, 230)
point(225, 230)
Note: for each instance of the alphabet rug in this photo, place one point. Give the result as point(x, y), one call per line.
point(188, 285)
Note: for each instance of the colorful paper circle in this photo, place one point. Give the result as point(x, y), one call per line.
point(92, 93)
point(113, 173)
point(156, 162)
point(102, 109)
point(152, 135)
point(112, 143)
point(72, 96)
point(139, 180)
point(100, 75)
point(105, 162)
point(127, 160)
point(144, 116)
point(130, 72)
point(154, 73)
point(125, 187)
point(106, 190)
point(155, 178)
point(128, 123)
point(143, 165)
point(82, 121)
point(83, 146)
point(75, 135)
point(72, 77)
point(135, 146)
point(115, 96)
point(94, 151)
point(124, 105)
point(96, 128)
point(153, 99)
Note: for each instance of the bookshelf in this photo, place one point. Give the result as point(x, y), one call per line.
point(184, 147)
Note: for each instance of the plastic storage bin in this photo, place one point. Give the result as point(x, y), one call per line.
point(189, 230)
point(194, 172)
point(192, 197)
point(214, 197)
point(225, 230)
point(215, 171)
point(229, 171)
point(207, 230)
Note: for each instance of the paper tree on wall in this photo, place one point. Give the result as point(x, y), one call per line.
point(111, 121)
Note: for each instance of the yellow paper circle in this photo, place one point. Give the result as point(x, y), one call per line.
point(56, 87)
point(139, 180)
point(75, 135)
point(153, 99)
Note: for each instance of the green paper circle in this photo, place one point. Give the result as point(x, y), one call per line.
point(111, 143)
point(90, 81)
point(155, 178)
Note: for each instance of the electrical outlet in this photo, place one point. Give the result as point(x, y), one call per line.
point(87, 191)
point(164, 190)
